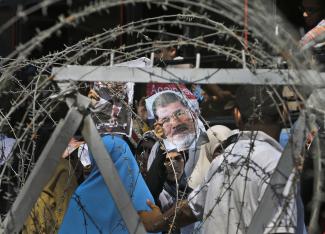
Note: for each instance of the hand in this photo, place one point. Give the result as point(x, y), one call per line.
point(93, 95)
point(158, 130)
point(151, 219)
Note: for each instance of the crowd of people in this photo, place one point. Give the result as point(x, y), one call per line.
point(185, 178)
point(195, 177)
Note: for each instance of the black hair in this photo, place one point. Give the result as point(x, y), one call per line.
point(164, 99)
point(164, 39)
point(258, 103)
point(322, 6)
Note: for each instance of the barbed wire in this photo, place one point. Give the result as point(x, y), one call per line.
point(36, 101)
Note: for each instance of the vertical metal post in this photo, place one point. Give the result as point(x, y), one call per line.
point(111, 62)
point(243, 55)
point(198, 60)
point(152, 58)
point(276, 26)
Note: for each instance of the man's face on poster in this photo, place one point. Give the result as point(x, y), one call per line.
point(178, 124)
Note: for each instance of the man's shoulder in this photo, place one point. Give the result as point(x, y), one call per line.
point(253, 140)
point(258, 146)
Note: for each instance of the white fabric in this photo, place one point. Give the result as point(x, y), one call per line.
point(226, 200)
point(216, 135)
point(142, 62)
point(152, 154)
point(6, 145)
point(199, 171)
point(83, 155)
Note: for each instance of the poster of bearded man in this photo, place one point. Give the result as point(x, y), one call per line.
point(179, 121)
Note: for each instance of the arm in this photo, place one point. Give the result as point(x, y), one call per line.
point(217, 91)
point(155, 221)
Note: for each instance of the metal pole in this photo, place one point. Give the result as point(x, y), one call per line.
point(198, 60)
point(190, 75)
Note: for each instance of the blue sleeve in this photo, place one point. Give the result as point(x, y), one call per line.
point(129, 172)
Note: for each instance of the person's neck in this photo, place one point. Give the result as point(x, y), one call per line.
point(273, 130)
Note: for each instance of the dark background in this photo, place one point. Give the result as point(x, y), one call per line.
point(23, 30)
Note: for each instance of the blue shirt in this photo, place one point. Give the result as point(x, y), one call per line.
point(92, 208)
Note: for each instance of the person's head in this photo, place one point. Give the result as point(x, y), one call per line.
point(257, 106)
point(176, 119)
point(143, 150)
point(163, 49)
point(165, 53)
point(313, 12)
point(174, 164)
point(142, 110)
point(205, 96)
point(216, 134)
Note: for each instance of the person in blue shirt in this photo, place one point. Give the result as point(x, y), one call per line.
point(92, 208)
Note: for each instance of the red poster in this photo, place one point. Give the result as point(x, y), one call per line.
point(153, 88)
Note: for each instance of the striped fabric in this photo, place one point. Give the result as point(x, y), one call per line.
point(313, 34)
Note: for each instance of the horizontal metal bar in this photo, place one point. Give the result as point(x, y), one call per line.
point(111, 177)
point(188, 75)
point(42, 172)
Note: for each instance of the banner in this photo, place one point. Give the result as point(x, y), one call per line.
point(154, 88)
point(177, 117)
point(113, 101)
